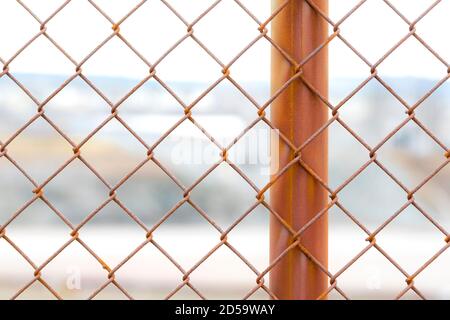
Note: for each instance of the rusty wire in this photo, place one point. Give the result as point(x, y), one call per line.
point(260, 116)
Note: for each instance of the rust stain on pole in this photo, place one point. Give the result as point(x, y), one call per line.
point(298, 114)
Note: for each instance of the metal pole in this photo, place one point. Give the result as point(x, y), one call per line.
point(298, 114)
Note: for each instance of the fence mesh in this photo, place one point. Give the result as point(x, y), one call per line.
point(262, 33)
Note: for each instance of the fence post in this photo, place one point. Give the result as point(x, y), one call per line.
point(298, 113)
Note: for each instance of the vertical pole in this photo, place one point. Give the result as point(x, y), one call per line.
point(298, 114)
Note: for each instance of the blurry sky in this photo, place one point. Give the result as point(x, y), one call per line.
point(78, 28)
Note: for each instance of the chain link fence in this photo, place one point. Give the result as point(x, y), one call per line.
point(261, 116)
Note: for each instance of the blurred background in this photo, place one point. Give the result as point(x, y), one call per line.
point(151, 111)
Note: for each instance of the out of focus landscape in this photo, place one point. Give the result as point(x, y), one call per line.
point(150, 193)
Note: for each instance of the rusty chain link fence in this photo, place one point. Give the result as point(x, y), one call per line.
point(298, 266)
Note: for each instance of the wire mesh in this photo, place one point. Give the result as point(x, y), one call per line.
point(260, 116)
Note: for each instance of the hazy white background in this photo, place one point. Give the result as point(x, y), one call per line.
point(226, 30)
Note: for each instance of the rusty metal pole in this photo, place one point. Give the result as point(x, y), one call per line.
point(298, 113)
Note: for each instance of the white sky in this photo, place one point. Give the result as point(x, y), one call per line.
point(373, 29)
